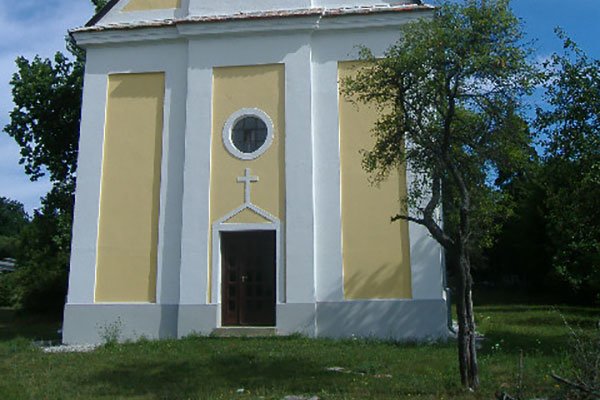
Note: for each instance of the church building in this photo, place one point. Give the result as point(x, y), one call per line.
point(220, 185)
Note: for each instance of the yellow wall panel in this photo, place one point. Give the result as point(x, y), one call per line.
point(145, 5)
point(235, 88)
point(375, 251)
point(129, 204)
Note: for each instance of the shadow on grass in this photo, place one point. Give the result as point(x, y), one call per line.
point(485, 296)
point(34, 327)
point(219, 374)
point(584, 312)
point(543, 317)
point(557, 322)
point(539, 329)
point(509, 341)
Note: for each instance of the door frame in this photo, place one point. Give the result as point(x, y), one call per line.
point(268, 240)
point(216, 280)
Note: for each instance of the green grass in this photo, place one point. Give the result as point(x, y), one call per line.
point(271, 368)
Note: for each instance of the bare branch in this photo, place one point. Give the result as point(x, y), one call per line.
point(407, 218)
point(577, 386)
point(428, 220)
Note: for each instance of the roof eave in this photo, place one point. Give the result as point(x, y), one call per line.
point(246, 17)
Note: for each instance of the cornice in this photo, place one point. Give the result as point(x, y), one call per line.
point(141, 34)
point(315, 19)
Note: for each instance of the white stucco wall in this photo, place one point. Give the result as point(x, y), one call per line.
point(310, 48)
point(314, 262)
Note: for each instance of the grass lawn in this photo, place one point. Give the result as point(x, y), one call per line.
point(271, 368)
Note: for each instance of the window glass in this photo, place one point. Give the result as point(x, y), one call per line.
point(249, 134)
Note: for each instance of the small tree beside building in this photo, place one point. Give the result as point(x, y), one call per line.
point(449, 94)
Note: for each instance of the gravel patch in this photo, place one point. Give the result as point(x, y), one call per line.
point(79, 348)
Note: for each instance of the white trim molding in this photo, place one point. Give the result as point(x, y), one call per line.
point(237, 117)
point(219, 227)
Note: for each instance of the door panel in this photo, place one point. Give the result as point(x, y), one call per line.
point(248, 278)
point(230, 287)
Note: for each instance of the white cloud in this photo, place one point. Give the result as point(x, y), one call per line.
point(27, 28)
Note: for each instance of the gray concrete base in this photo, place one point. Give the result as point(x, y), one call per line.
point(244, 331)
point(197, 319)
point(296, 318)
point(95, 323)
point(383, 319)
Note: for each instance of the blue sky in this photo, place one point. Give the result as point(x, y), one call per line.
point(30, 27)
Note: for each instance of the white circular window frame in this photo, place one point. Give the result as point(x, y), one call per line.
point(234, 119)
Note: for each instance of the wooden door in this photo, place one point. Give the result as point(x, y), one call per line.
point(248, 278)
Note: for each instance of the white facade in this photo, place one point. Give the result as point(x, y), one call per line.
point(187, 43)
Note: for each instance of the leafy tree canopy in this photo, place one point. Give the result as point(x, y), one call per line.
point(99, 4)
point(450, 89)
point(571, 128)
point(13, 219)
point(45, 120)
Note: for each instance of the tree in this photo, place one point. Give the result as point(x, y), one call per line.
point(45, 124)
point(571, 126)
point(39, 283)
point(99, 4)
point(449, 96)
point(13, 219)
point(45, 120)
point(518, 257)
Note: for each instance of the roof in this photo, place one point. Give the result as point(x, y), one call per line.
point(248, 16)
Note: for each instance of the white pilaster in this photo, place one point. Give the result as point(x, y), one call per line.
point(82, 276)
point(328, 213)
point(196, 195)
point(300, 228)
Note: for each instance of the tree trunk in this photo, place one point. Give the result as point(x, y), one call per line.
point(467, 350)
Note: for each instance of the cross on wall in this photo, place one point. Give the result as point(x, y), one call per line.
point(247, 180)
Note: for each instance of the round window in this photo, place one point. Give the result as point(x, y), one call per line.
point(248, 133)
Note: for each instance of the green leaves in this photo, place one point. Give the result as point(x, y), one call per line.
point(99, 4)
point(451, 90)
point(13, 219)
point(45, 120)
point(571, 127)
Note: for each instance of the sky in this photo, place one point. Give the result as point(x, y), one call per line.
point(27, 28)
point(30, 27)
